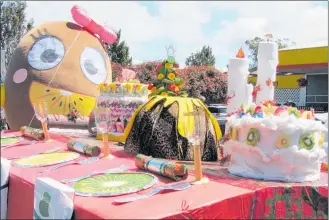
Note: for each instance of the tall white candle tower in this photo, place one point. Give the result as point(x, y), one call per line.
point(239, 92)
point(267, 63)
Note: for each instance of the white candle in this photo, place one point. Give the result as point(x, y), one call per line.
point(267, 63)
point(238, 91)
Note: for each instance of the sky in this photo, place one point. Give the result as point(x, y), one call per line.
point(149, 27)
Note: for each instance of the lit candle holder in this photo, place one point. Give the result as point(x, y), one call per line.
point(41, 113)
point(193, 133)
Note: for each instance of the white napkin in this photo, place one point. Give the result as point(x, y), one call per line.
point(5, 167)
point(52, 200)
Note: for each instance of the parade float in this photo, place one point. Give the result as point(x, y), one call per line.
point(60, 177)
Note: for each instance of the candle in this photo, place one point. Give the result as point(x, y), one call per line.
point(267, 63)
point(239, 92)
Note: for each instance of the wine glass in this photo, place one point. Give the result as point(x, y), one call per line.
point(41, 110)
point(41, 113)
point(193, 120)
point(102, 121)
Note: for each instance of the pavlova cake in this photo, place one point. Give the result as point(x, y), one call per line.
point(275, 143)
point(266, 141)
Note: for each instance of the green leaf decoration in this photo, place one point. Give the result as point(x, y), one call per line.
point(178, 81)
point(171, 93)
point(171, 59)
point(168, 81)
point(156, 83)
point(163, 70)
point(160, 90)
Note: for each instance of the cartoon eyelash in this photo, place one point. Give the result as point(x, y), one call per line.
point(41, 36)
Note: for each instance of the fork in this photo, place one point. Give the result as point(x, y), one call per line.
point(19, 144)
point(80, 162)
point(113, 170)
point(174, 187)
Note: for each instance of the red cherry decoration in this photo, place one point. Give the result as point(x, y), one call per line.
point(258, 109)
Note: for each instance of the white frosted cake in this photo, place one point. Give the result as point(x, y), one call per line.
point(265, 141)
point(275, 146)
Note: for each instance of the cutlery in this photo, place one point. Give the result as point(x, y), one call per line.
point(18, 144)
point(113, 170)
point(55, 149)
point(8, 136)
point(173, 187)
point(80, 162)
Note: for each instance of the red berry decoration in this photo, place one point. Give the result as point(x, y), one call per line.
point(258, 109)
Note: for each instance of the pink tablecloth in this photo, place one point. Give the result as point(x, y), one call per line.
point(225, 196)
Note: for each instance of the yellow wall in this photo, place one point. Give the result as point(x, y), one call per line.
point(303, 56)
point(284, 82)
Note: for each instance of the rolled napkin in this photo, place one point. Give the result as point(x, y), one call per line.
point(84, 148)
point(165, 168)
point(34, 133)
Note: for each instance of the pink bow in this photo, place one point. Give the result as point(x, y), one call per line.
point(81, 17)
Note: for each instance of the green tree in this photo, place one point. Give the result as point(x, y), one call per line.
point(201, 58)
point(13, 26)
point(253, 47)
point(119, 51)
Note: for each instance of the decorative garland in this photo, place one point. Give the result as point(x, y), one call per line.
point(302, 82)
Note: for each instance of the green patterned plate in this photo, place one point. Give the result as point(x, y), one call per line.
point(9, 141)
point(46, 159)
point(114, 184)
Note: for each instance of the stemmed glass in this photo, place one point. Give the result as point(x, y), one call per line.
point(103, 120)
point(193, 120)
point(41, 113)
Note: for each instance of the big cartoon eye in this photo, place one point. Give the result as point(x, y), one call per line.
point(93, 65)
point(46, 53)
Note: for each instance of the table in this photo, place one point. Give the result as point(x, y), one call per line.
point(225, 196)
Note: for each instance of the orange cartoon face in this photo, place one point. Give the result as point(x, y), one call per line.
point(60, 63)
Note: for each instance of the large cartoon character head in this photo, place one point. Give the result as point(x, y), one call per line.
point(60, 63)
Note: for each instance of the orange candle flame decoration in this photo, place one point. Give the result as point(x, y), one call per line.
point(268, 37)
point(240, 53)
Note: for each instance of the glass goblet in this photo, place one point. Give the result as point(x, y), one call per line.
point(41, 110)
point(41, 113)
point(102, 120)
